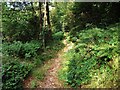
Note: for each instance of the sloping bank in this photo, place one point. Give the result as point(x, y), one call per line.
point(93, 62)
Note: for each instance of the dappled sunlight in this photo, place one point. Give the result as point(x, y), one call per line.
point(60, 45)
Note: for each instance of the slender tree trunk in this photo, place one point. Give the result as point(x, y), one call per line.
point(40, 16)
point(48, 20)
point(47, 14)
point(44, 25)
point(34, 20)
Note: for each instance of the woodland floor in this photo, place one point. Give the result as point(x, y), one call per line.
point(51, 78)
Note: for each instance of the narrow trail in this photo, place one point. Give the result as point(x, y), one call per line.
point(51, 79)
point(51, 76)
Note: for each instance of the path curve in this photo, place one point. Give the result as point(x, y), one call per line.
point(51, 79)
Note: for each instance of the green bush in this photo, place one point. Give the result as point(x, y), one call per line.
point(79, 67)
point(30, 49)
point(25, 50)
point(12, 49)
point(74, 39)
point(13, 73)
point(93, 51)
point(19, 25)
point(58, 36)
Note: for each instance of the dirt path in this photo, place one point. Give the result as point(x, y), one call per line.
point(51, 77)
point(51, 80)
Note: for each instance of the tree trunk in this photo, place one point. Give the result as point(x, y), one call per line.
point(41, 25)
point(34, 20)
point(47, 14)
point(40, 17)
point(48, 21)
point(44, 25)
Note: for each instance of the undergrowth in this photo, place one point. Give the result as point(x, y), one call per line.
point(49, 53)
point(93, 62)
point(13, 73)
point(20, 58)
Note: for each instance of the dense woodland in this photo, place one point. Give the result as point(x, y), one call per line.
point(33, 34)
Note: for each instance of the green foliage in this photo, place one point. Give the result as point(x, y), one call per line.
point(89, 15)
point(17, 48)
point(12, 49)
point(59, 16)
point(79, 67)
point(30, 49)
point(13, 73)
point(38, 60)
point(39, 75)
point(58, 36)
point(19, 25)
point(33, 84)
point(74, 39)
point(93, 51)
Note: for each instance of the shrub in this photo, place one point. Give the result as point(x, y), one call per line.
point(25, 50)
point(74, 39)
point(12, 49)
point(13, 73)
point(23, 29)
point(30, 49)
point(93, 52)
point(58, 36)
point(79, 68)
